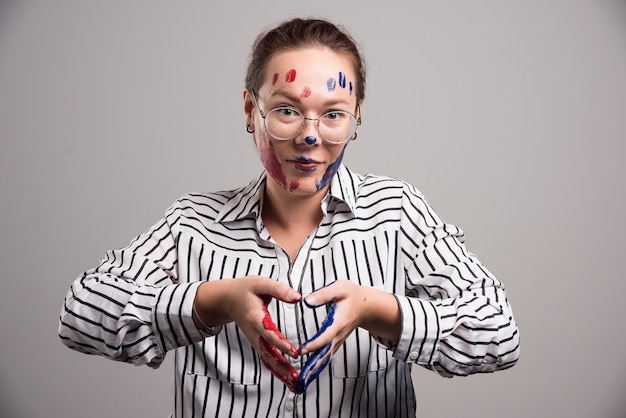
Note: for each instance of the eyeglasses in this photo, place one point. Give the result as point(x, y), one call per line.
point(287, 122)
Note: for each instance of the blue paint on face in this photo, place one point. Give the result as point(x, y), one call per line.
point(351, 88)
point(342, 80)
point(331, 84)
point(311, 140)
point(302, 158)
point(330, 172)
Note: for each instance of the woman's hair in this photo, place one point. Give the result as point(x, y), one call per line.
point(300, 33)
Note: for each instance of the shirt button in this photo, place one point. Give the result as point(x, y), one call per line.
point(413, 355)
point(181, 341)
point(289, 406)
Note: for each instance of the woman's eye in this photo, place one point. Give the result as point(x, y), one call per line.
point(333, 115)
point(288, 111)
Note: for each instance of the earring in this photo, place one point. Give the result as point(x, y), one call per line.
point(250, 131)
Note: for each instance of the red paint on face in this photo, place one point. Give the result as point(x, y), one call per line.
point(294, 185)
point(270, 161)
point(275, 78)
point(290, 76)
point(306, 92)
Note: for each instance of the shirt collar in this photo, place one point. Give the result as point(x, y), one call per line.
point(247, 201)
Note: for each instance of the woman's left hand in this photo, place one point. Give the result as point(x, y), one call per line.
point(350, 306)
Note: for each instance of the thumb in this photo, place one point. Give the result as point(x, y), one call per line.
point(321, 296)
point(282, 292)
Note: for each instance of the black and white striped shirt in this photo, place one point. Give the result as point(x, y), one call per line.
point(376, 231)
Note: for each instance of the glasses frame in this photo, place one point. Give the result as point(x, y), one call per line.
point(317, 125)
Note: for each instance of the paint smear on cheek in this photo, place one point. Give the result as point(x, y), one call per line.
point(269, 160)
point(330, 172)
point(275, 79)
point(351, 88)
point(306, 92)
point(290, 76)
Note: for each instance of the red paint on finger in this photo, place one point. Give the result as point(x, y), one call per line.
point(278, 365)
point(269, 324)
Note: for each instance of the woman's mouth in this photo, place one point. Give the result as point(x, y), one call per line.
point(303, 163)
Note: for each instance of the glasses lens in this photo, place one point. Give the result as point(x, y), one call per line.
point(337, 127)
point(284, 122)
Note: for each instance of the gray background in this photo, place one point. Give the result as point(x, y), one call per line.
point(509, 116)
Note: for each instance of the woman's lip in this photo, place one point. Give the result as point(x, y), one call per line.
point(304, 160)
point(307, 166)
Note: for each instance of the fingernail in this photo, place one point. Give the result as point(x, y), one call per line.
point(293, 295)
point(311, 301)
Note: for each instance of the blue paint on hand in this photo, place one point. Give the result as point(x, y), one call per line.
point(313, 367)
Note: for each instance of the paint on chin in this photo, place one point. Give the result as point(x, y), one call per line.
point(331, 170)
point(269, 160)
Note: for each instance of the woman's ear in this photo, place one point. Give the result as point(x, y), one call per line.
point(248, 108)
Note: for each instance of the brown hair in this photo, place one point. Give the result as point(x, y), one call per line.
point(300, 33)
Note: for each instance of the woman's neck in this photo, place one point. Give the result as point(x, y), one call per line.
point(286, 210)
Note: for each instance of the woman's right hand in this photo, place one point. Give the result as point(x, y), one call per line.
point(244, 301)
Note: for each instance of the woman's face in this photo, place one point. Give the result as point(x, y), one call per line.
point(313, 80)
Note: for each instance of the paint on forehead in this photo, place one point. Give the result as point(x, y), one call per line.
point(275, 78)
point(331, 83)
point(342, 80)
point(306, 92)
point(290, 76)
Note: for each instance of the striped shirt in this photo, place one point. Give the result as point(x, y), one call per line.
point(376, 231)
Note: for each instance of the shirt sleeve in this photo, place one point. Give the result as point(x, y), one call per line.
point(131, 307)
point(456, 319)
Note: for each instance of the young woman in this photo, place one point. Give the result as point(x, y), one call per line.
point(310, 291)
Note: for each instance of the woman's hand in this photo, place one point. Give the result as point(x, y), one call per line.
point(244, 301)
point(350, 306)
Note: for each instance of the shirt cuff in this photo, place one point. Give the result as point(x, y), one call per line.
point(173, 317)
point(420, 332)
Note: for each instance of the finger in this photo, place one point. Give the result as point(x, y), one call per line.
point(316, 363)
point(276, 363)
point(321, 296)
point(280, 291)
point(328, 321)
point(275, 337)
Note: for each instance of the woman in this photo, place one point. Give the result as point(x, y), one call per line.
point(221, 278)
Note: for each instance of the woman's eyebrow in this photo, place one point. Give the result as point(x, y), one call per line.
point(298, 100)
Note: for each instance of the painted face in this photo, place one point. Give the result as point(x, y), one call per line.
point(313, 80)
